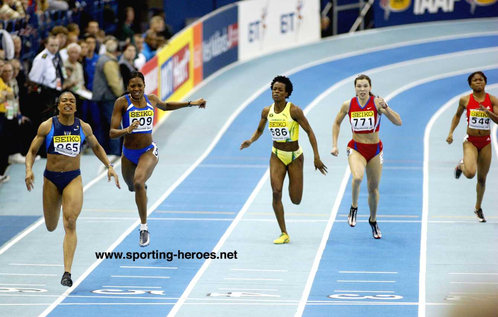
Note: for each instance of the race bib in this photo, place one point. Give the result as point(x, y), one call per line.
point(279, 131)
point(478, 120)
point(362, 120)
point(145, 119)
point(68, 145)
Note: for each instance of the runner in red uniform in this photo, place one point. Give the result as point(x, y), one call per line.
point(481, 108)
point(365, 149)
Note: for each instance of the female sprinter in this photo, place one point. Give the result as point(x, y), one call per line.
point(140, 154)
point(365, 149)
point(63, 136)
point(287, 156)
point(479, 107)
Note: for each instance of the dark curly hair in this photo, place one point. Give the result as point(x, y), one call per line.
point(469, 79)
point(284, 80)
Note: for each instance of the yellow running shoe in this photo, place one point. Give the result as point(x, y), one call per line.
point(284, 238)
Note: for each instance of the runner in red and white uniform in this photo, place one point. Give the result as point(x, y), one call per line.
point(365, 149)
point(481, 108)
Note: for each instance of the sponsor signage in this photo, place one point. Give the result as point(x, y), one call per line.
point(394, 12)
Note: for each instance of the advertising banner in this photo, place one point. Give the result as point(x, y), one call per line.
point(151, 72)
point(219, 40)
point(176, 67)
point(266, 26)
point(394, 12)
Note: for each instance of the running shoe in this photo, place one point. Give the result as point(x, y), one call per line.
point(4, 178)
point(144, 238)
point(352, 216)
point(66, 279)
point(480, 215)
point(458, 170)
point(284, 238)
point(375, 229)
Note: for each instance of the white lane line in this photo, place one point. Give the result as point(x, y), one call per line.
point(258, 270)
point(363, 281)
point(27, 274)
point(355, 291)
point(149, 267)
point(323, 243)
point(34, 264)
point(16, 284)
point(473, 273)
point(196, 212)
point(140, 276)
point(425, 190)
point(251, 279)
point(129, 286)
point(367, 272)
point(248, 289)
point(476, 283)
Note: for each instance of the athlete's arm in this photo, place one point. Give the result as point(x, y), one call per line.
point(99, 151)
point(383, 108)
point(117, 115)
point(298, 115)
point(456, 118)
point(43, 130)
point(173, 105)
point(494, 105)
point(336, 126)
point(259, 130)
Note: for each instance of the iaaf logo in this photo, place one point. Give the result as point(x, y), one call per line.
point(220, 42)
point(394, 5)
point(175, 72)
point(481, 3)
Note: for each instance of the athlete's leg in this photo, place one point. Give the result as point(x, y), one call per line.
point(72, 201)
point(128, 171)
point(483, 163)
point(52, 201)
point(357, 164)
point(145, 167)
point(469, 165)
point(295, 170)
point(374, 172)
point(277, 175)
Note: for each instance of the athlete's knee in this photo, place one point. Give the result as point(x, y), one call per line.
point(373, 189)
point(296, 200)
point(70, 222)
point(481, 180)
point(138, 185)
point(277, 194)
point(356, 180)
point(469, 173)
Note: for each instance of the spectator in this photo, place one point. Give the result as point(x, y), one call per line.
point(93, 30)
point(12, 9)
point(75, 80)
point(14, 118)
point(126, 66)
point(107, 86)
point(72, 37)
point(150, 45)
point(125, 32)
point(89, 107)
point(17, 46)
point(5, 95)
point(158, 25)
point(73, 28)
point(57, 5)
point(140, 59)
point(84, 51)
point(46, 74)
point(60, 32)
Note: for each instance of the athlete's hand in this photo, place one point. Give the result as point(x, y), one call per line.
point(112, 173)
point(335, 151)
point(482, 108)
point(29, 180)
point(199, 102)
point(132, 126)
point(449, 139)
point(245, 144)
point(320, 166)
point(381, 102)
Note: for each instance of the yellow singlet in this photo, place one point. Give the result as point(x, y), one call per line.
point(281, 125)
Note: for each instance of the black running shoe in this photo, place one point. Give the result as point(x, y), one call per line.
point(458, 170)
point(480, 215)
point(144, 238)
point(352, 216)
point(66, 279)
point(375, 229)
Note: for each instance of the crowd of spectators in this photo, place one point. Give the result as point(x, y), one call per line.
point(76, 55)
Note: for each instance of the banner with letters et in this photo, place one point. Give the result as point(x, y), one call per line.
point(266, 26)
point(395, 12)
